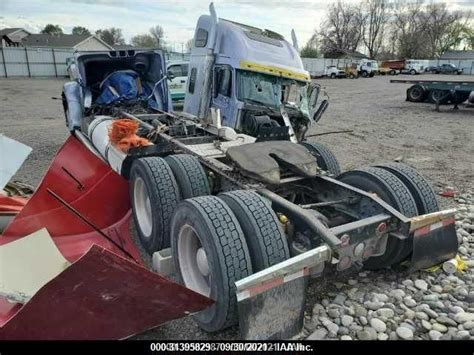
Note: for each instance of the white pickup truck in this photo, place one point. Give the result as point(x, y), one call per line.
point(334, 72)
point(177, 86)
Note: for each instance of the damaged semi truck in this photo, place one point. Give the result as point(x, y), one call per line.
point(254, 77)
point(246, 206)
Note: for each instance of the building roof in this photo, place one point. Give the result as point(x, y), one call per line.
point(7, 31)
point(123, 46)
point(458, 55)
point(47, 40)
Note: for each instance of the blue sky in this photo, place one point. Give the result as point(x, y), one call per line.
point(177, 17)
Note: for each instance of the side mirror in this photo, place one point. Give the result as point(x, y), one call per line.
point(170, 75)
point(319, 112)
point(313, 94)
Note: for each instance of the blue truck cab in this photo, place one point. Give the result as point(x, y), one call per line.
point(254, 77)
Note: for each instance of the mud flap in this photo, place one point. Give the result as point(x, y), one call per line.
point(100, 296)
point(271, 302)
point(277, 313)
point(434, 244)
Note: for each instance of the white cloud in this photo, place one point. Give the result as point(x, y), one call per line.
point(177, 17)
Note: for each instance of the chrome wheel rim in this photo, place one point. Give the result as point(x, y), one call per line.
point(142, 204)
point(193, 262)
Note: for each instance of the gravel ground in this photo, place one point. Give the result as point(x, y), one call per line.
point(361, 305)
point(383, 305)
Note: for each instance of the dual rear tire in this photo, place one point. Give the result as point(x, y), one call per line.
point(403, 188)
point(214, 241)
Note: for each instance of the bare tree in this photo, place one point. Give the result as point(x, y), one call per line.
point(342, 30)
point(112, 36)
point(375, 18)
point(408, 30)
point(468, 38)
point(157, 33)
point(443, 28)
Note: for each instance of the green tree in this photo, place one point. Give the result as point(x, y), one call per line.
point(309, 51)
point(112, 36)
point(144, 41)
point(79, 30)
point(52, 29)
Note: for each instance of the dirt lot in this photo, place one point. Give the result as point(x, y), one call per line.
point(385, 127)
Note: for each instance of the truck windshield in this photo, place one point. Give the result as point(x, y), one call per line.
point(271, 90)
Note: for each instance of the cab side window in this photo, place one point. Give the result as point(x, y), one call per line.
point(223, 81)
point(201, 38)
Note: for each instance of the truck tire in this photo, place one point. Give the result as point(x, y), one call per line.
point(190, 175)
point(392, 190)
point(210, 254)
point(413, 72)
point(324, 157)
point(154, 194)
point(392, 72)
point(420, 189)
point(416, 93)
point(333, 76)
point(265, 238)
point(364, 74)
point(372, 74)
point(442, 96)
point(460, 96)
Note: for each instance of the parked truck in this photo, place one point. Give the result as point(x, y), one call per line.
point(405, 66)
point(367, 68)
point(178, 71)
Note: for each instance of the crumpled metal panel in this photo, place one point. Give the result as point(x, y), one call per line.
point(103, 294)
point(100, 296)
point(89, 186)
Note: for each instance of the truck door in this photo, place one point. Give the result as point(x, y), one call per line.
point(222, 97)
